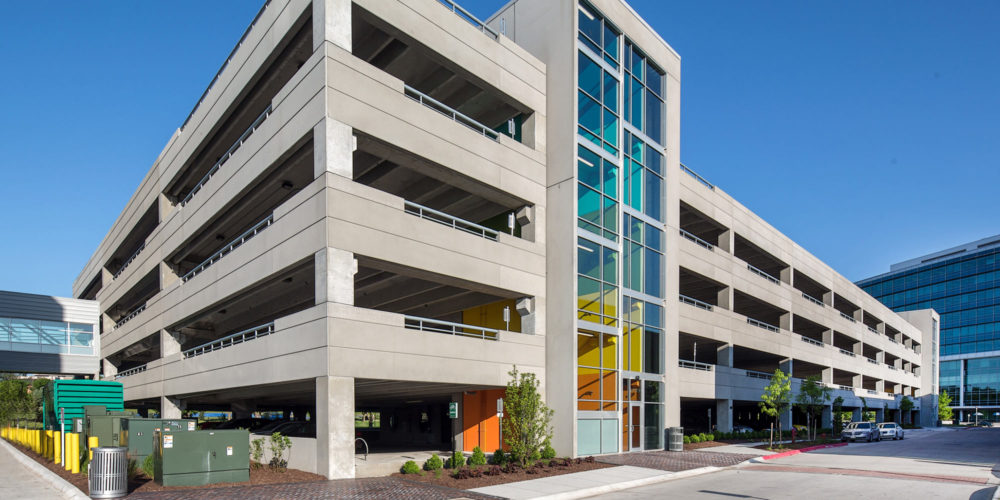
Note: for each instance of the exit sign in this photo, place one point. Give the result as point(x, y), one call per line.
point(453, 409)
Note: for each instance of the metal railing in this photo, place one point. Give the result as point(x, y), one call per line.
point(847, 317)
point(363, 442)
point(761, 324)
point(760, 375)
point(894, 341)
point(845, 388)
point(870, 329)
point(694, 365)
point(226, 250)
point(696, 239)
point(129, 261)
point(231, 340)
point(891, 367)
point(130, 371)
point(872, 361)
point(455, 115)
point(449, 220)
point(810, 341)
point(760, 272)
point(135, 312)
point(449, 328)
point(694, 174)
point(871, 391)
point(473, 20)
point(228, 58)
point(694, 302)
point(812, 299)
point(845, 351)
point(228, 154)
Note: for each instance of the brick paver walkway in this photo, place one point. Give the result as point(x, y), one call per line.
point(677, 460)
point(382, 487)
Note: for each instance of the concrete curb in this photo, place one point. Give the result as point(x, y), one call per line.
point(635, 483)
point(69, 491)
point(760, 460)
point(996, 493)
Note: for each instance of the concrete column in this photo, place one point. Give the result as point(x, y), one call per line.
point(456, 424)
point(171, 407)
point(526, 218)
point(785, 323)
point(526, 309)
point(334, 145)
point(826, 418)
point(335, 427)
point(724, 356)
point(828, 337)
point(167, 276)
point(859, 315)
point(827, 298)
point(335, 270)
point(332, 22)
point(858, 349)
point(165, 206)
point(533, 132)
point(786, 275)
point(786, 419)
point(724, 415)
point(110, 370)
point(170, 343)
point(879, 415)
point(724, 298)
point(880, 385)
point(856, 381)
point(880, 357)
point(786, 366)
point(827, 376)
point(725, 241)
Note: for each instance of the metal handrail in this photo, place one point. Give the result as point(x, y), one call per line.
point(694, 365)
point(228, 154)
point(135, 312)
point(894, 341)
point(846, 388)
point(449, 220)
point(473, 20)
point(447, 327)
point(847, 317)
point(228, 59)
point(872, 361)
point(696, 176)
point(845, 351)
point(891, 367)
point(231, 340)
point(129, 261)
point(696, 239)
point(450, 112)
point(870, 329)
point(694, 302)
point(366, 446)
point(761, 324)
point(871, 391)
point(226, 250)
point(760, 272)
point(130, 372)
point(812, 299)
point(760, 375)
point(810, 341)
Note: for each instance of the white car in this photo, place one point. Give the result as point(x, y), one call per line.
point(889, 430)
point(857, 431)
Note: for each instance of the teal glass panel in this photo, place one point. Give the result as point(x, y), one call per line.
point(610, 179)
point(588, 292)
point(654, 117)
point(654, 80)
point(81, 327)
point(52, 333)
point(589, 112)
point(654, 160)
point(590, 26)
point(589, 135)
point(635, 264)
point(652, 432)
point(588, 204)
point(588, 258)
point(4, 330)
point(588, 167)
point(610, 215)
point(610, 128)
point(653, 275)
point(609, 436)
point(24, 331)
point(636, 178)
point(611, 45)
point(636, 99)
point(654, 315)
point(81, 339)
point(654, 196)
point(654, 238)
point(588, 436)
point(610, 96)
point(610, 266)
point(588, 76)
point(638, 64)
point(636, 148)
point(635, 230)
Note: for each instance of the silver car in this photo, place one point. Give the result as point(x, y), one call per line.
point(889, 430)
point(856, 431)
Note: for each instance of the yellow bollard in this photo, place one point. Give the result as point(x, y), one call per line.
point(57, 450)
point(74, 460)
point(91, 444)
point(48, 445)
point(69, 450)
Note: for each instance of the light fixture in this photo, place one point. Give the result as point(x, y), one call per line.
point(287, 185)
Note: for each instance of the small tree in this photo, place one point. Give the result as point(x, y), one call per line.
point(776, 398)
point(944, 406)
point(527, 420)
point(864, 409)
point(812, 397)
point(838, 417)
point(257, 452)
point(279, 444)
point(905, 406)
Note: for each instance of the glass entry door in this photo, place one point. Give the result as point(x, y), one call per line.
point(631, 415)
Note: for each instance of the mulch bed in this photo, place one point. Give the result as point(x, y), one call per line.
point(553, 468)
point(798, 445)
point(142, 484)
point(704, 444)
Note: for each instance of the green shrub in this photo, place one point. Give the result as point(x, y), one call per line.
point(499, 457)
point(410, 467)
point(711, 437)
point(433, 463)
point(457, 460)
point(132, 469)
point(548, 452)
point(478, 457)
point(257, 452)
point(687, 439)
point(702, 436)
point(147, 466)
point(695, 439)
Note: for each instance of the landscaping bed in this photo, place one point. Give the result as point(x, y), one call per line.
point(489, 475)
point(798, 445)
point(704, 444)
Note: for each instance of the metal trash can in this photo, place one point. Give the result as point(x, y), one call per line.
point(108, 474)
point(676, 439)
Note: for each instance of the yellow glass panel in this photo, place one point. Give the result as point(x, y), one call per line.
point(588, 384)
point(588, 293)
point(588, 350)
point(635, 349)
point(609, 351)
point(611, 301)
point(593, 318)
point(635, 311)
point(627, 340)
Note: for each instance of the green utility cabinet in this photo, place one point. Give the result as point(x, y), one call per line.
point(73, 396)
point(140, 433)
point(201, 457)
point(110, 430)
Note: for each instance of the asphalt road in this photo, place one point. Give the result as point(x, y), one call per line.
point(927, 464)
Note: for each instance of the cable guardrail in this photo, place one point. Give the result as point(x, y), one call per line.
point(810, 341)
point(694, 365)
point(694, 174)
point(694, 302)
point(449, 220)
point(473, 20)
point(226, 63)
point(135, 312)
point(696, 239)
point(446, 110)
point(231, 340)
point(226, 250)
point(129, 261)
point(847, 317)
point(130, 372)
point(760, 375)
point(761, 324)
point(812, 299)
point(845, 351)
point(228, 154)
point(760, 272)
point(449, 328)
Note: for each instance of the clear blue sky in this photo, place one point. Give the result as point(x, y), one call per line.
point(869, 132)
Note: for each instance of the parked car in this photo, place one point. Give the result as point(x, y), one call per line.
point(250, 424)
point(860, 430)
point(985, 423)
point(888, 430)
point(294, 429)
point(741, 429)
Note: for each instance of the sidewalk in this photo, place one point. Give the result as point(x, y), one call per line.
point(585, 484)
point(20, 482)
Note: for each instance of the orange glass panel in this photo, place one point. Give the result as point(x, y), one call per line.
point(625, 428)
point(610, 406)
point(587, 383)
point(635, 427)
point(609, 384)
point(588, 405)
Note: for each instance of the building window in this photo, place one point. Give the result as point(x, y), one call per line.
point(598, 35)
point(642, 258)
point(597, 371)
point(644, 93)
point(982, 383)
point(597, 283)
point(643, 183)
point(642, 339)
point(597, 194)
point(951, 378)
point(597, 104)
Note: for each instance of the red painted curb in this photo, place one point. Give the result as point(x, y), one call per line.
point(803, 450)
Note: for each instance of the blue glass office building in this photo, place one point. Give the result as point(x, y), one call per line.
point(963, 285)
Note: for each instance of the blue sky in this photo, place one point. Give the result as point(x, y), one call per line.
point(866, 131)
